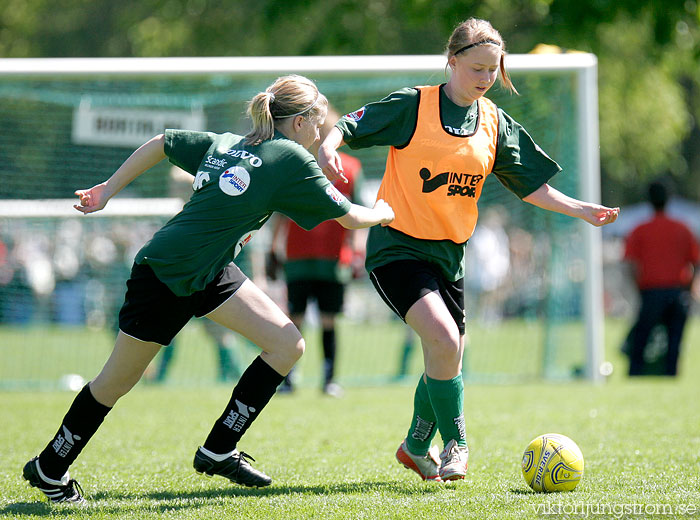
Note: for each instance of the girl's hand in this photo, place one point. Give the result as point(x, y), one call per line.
point(385, 210)
point(93, 199)
point(330, 163)
point(600, 215)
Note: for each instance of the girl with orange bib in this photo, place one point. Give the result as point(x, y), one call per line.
point(444, 141)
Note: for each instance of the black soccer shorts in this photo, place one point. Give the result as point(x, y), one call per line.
point(328, 295)
point(403, 282)
point(152, 312)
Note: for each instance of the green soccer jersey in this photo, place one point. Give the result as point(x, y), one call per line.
point(237, 187)
point(520, 165)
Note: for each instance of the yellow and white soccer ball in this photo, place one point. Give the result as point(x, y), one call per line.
point(552, 462)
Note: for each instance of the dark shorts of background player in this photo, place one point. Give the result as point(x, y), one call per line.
point(328, 295)
point(152, 312)
point(403, 282)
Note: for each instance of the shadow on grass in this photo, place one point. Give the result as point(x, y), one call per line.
point(523, 491)
point(30, 509)
point(342, 488)
point(187, 499)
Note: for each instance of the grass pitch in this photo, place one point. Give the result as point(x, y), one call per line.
point(334, 459)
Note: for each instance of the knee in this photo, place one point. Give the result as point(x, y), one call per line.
point(444, 344)
point(294, 346)
point(298, 348)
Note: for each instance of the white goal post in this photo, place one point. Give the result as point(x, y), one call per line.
point(582, 65)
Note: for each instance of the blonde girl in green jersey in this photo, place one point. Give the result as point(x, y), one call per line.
point(186, 270)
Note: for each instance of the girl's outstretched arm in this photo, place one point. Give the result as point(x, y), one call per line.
point(360, 217)
point(548, 198)
point(145, 157)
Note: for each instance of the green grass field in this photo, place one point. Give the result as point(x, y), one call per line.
point(335, 458)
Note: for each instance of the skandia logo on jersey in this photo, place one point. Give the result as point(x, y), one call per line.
point(234, 181)
point(356, 115)
point(214, 163)
point(463, 184)
point(334, 194)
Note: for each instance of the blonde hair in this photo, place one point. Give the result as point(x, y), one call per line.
point(289, 96)
point(474, 32)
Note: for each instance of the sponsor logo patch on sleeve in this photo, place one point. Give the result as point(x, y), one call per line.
point(334, 194)
point(357, 114)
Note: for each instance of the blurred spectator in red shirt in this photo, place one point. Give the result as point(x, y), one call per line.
point(664, 257)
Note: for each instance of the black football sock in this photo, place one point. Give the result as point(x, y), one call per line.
point(81, 422)
point(254, 390)
point(328, 354)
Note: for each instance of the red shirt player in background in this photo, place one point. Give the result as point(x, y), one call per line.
point(664, 256)
point(318, 265)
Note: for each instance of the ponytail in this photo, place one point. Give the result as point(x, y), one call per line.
point(260, 114)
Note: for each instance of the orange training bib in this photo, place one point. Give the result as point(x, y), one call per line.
point(433, 184)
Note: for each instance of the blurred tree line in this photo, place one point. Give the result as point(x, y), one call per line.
point(648, 52)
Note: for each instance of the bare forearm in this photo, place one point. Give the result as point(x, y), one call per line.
point(145, 157)
point(328, 158)
point(551, 199)
point(148, 155)
point(548, 198)
point(333, 140)
point(362, 217)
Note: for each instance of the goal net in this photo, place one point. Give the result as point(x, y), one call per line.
point(533, 283)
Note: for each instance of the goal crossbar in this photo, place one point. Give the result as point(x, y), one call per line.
point(274, 64)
